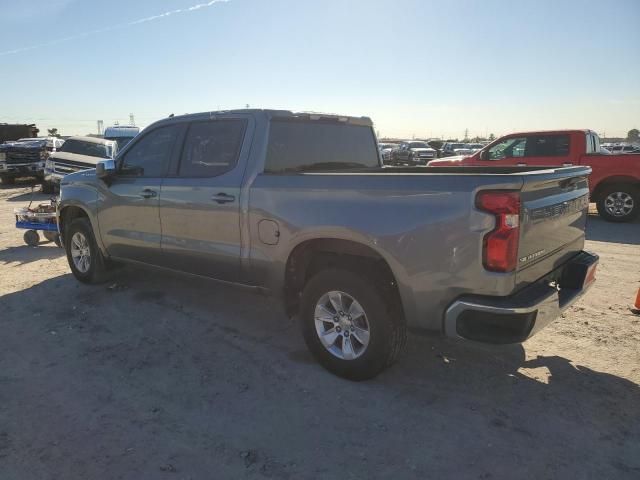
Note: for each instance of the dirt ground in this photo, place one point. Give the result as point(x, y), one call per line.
point(157, 376)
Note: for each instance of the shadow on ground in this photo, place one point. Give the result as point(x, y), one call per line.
point(20, 183)
point(603, 231)
point(25, 254)
point(154, 373)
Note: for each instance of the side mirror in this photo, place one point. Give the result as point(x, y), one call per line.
point(105, 168)
point(484, 155)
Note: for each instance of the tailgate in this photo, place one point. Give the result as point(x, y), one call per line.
point(554, 213)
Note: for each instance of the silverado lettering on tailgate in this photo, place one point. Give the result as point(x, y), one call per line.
point(557, 210)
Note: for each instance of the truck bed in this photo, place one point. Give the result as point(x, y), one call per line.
point(425, 223)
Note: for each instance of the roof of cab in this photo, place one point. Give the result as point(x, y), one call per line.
point(551, 132)
point(280, 114)
point(121, 131)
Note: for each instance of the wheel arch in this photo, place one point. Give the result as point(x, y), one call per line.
point(71, 211)
point(615, 179)
point(313, 254)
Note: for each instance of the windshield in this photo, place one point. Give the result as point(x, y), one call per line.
point(419, 145)
point(90, 149)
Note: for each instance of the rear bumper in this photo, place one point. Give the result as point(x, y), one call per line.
point(514, 319)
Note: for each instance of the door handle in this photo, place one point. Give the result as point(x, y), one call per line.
point(148, 193)
point(567, 164)
point(223, 198)
point(521, 165)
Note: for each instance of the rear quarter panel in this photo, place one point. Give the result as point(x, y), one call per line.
point(612, 167)
point(424, 225)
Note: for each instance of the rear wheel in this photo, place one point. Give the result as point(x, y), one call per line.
point(350, 325)
point(85, 258)
point(619, 203)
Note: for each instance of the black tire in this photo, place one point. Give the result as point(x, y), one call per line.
point(31, 238)
point(387, 328)
point(48, 188)
point(98, 269)
point(8, 180)
point(630, 191)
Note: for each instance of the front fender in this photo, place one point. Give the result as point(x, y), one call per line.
point(84, 197)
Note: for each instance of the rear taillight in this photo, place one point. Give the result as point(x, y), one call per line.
point(500, 249)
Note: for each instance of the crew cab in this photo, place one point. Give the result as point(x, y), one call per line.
point(299, 206)
point(413, 153)
point(77, 153)
point(614, 182)
point(26, 157)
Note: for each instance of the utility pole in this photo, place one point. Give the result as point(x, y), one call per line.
point(466, 134)
point(132, 121)
point(100, 127)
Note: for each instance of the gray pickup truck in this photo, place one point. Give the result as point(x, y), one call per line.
point(298, 205)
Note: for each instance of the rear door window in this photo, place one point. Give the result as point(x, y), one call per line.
point(211, 148)
point(303, 145)
point(547, 146)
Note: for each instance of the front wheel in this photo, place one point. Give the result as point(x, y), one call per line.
point(619, 203)
point(85, 258)
point(349, 324)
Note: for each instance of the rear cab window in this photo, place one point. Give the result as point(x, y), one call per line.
point(302, 145)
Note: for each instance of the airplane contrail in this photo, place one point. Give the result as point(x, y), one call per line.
point(114, 27)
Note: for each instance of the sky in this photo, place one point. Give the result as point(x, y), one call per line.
point(417, 68)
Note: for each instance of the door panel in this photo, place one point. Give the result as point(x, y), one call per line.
point(129, 214)
point(129, 222)
point(200, 207)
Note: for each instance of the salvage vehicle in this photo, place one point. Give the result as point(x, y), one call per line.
point(386, 151)
point(77, 153)
point(121, 134)
point(615, 179)
point(298, 205)
point(449, 149)
point(413, 153)
point(623, 148)
point(10, 132)
point(26, 157)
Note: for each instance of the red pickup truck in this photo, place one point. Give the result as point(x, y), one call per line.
point(614, 182)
